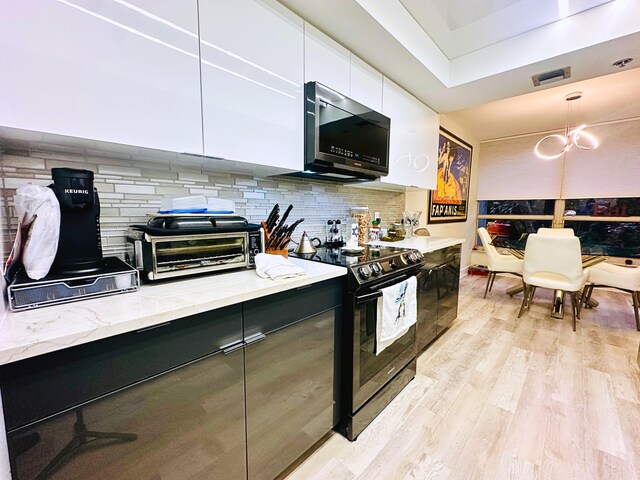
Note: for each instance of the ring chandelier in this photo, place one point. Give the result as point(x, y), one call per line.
point(572, 137)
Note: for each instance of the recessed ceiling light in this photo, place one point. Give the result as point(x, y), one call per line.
point(623, 62)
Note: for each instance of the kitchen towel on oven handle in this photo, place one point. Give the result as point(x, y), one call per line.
point(397, 311)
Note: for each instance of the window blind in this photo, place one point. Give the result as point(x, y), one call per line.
point(509, 170)
point(612, 170)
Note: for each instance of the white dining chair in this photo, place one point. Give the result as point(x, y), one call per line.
point(558, 232)
point(498, 262)
point(553, 262)
point(618, 277)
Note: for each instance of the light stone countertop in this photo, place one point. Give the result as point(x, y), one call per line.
point(43, 330)
point(423, 244)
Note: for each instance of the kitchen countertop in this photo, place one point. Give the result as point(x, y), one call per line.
point(43, 330)
point(423, 244)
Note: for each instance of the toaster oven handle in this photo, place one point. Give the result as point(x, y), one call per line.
point(137, 253)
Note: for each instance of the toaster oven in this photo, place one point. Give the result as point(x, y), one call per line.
point(173, 247)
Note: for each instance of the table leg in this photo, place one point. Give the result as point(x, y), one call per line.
point(515, 289)
point(557, 311)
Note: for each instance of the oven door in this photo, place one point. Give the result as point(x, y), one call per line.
point(370, 371)
point(188, 254)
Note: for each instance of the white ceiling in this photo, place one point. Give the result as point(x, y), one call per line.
point(459, 27)
point(495, 59)
point(604, 99)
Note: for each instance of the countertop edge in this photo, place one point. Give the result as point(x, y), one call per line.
point(40, 331)
point(423, 244)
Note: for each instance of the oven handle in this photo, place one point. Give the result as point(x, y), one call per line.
point(369, 297)
point(362, 299)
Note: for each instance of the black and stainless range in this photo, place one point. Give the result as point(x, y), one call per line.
point(369, 381)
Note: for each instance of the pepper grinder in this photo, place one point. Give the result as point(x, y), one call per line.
point(334, 237)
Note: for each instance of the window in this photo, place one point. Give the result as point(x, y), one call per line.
point(511, 233)
point(510, 221)
point(516, 207)
point(605, 226)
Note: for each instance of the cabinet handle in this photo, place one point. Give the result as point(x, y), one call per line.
point(304, 287)
point(227, 349)
point(255, 338)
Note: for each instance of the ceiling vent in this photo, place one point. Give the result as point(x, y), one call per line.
point(552, 76)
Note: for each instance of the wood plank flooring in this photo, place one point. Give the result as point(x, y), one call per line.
point(497, 397)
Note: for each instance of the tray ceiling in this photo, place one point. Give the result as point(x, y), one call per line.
point(456, 54)
point(459, 27)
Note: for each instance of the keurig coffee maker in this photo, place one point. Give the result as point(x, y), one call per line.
point(79, 247)
point(79, 271)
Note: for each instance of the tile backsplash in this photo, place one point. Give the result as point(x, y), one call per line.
point(131, 187)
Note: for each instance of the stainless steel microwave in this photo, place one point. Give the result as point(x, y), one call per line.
point(344, 140)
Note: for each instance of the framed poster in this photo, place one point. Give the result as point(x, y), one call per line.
point(449, 202)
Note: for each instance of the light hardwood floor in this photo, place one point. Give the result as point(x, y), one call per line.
point(499, 397)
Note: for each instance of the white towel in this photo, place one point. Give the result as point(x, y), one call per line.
point(276, 267)
point(397, 311)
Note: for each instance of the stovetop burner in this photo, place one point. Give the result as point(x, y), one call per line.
point(337, 256)
point(370, 265)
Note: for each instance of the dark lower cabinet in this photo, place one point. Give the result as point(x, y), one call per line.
point(289, 394)
point(169, 402)
point(438, 286)
point(289, 370)
point(174, 420)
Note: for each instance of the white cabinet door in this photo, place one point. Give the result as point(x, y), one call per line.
point(252, 82)
point(326, 61)
point(366, 84)
point(413, 145)
point(124, 72)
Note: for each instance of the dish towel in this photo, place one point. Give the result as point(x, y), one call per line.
point(276, 267)
point(397, 311)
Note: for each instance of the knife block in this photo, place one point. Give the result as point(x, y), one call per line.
point(284, 252)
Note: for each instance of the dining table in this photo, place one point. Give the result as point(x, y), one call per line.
point(557, 310)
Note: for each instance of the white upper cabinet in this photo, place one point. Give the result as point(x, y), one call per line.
point(252, 82)
point(326, 61)
point(413, 146)
point(366, 84)
point(124, 72)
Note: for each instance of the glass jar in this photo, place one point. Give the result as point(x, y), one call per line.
point(360, 223)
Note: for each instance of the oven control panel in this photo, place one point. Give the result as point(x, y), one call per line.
point(393, 265)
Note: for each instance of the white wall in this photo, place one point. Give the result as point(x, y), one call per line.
point(418, 200)
point(4, 222)
point(5, 471)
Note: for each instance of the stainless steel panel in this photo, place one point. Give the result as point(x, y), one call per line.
point(289, 393)
point(187, 423)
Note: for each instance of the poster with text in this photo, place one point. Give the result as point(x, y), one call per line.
point(449, 202)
